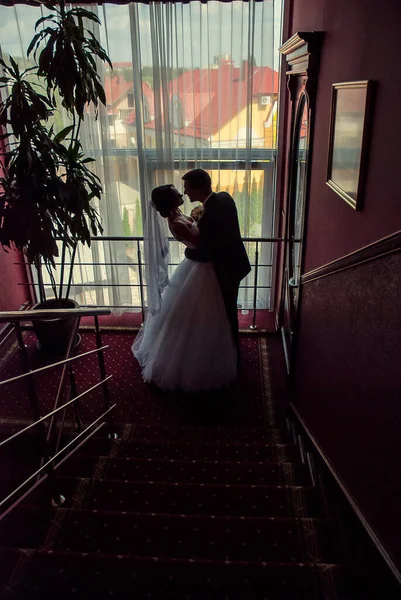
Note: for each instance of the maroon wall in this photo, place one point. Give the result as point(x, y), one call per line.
point(362, 41)
point(348, 384)
point(347, 373)
point(12, 295)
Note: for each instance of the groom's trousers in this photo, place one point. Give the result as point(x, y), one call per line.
point(229, 291)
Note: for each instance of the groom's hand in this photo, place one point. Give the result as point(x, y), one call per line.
point(196, 254)
point(191, 253)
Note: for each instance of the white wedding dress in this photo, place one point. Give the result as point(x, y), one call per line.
point(188, 345)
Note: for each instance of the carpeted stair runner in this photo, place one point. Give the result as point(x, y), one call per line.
point(186, 513)
point(201, 498)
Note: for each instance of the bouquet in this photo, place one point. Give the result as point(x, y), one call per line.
point(197, 212)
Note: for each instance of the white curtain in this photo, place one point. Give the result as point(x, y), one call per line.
point(193, 85)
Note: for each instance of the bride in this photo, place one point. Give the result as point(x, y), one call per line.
point(187, 342)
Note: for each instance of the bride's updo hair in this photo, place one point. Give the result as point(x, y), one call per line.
point(164, 199)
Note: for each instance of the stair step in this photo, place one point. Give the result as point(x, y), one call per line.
point(198, 471)
point(97, 445)
point(28, 444)
point(209, 451)
point(41, 496)
point(163, 433)
point(22, 457)
point(201, 537)
point(99, 576)
point(234, 500)
point(26, 526)
point(9, 559)
point(76, 466)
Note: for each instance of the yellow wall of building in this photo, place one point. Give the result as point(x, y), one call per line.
point(263, 137)
point(234, 132)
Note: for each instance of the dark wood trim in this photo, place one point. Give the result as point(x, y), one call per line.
point(382, 247)
point(332, 473)
point(302, 55)
point(300, 51)
point(296, 52)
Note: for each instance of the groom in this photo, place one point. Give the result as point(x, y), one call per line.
point(220, 240)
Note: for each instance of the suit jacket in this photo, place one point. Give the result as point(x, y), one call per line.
point(220, 240)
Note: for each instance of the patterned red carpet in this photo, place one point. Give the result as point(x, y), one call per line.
point(201, 497)
point(243, 404)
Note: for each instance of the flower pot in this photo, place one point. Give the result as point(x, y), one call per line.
point(54, 334)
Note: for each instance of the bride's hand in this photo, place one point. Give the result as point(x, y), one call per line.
point(189, 219)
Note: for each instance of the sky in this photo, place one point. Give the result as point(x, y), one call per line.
point(189, 35)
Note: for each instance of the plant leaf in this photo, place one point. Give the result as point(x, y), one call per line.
point(14, 65)
point(81, 12)
point(61, 135)
point(100, 91)
point(33, 42)
point(43, 19)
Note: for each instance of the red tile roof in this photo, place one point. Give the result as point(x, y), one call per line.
point(116, 88)
point(211, 98)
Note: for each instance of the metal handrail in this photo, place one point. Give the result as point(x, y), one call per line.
point(55, 466)
point(237, 156)
point(142, 284)
point(9, 326)
point(139, 238)
point(17, 316)
point(257, 266)
point(56, 364)
point(49, 462)
point(130, 285)
point(53, 412)
point(115, 264)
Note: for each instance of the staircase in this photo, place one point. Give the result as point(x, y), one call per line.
point(179, 512)
point(199, 497)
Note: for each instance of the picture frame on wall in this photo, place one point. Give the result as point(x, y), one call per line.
point(351, 105)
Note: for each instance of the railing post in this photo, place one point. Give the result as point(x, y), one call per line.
point(46, 437)
point(140, 280)
point(57, 498)
point(74, 393)
point(38, 266)
point(255, 288)
point(102, 367)
point(63, 375)
point(72, 262)
point(29, 381)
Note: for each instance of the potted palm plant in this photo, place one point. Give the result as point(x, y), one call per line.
point(47, 186)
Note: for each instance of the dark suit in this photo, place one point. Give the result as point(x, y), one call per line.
point(221, 242)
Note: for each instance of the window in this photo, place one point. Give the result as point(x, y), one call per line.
point(124, 113)
point(130, 99)
point(198, 111)
point(176, 113)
